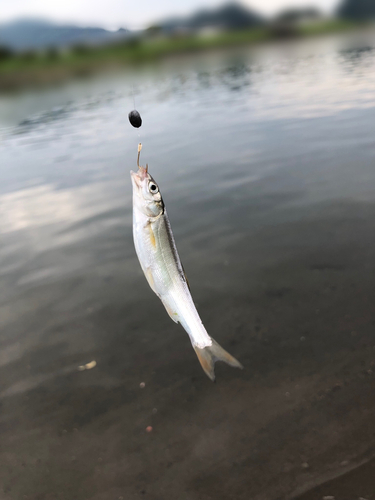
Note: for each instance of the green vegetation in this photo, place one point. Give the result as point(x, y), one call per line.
point(52, 65)
point(328, 26)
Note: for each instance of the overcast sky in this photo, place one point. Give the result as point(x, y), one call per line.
point(132, 14)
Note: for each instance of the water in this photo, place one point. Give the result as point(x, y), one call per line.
point(265, 159)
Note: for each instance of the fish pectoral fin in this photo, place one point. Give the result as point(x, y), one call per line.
point(210, 354)
point(172, 314)
point(152, 236)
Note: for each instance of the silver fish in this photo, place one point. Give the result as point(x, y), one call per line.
point(160, 262)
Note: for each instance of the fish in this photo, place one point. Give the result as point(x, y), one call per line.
point(157, 254)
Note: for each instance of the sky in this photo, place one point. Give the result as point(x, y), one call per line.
point(133, 14)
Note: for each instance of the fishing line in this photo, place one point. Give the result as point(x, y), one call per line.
point(134, 116)
point(136, 121)
point(133, 94)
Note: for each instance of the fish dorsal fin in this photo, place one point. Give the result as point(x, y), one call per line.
point(186, 280)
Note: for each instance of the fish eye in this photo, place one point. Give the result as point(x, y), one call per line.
point(153, 188)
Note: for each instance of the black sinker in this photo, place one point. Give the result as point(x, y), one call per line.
point(135, 118)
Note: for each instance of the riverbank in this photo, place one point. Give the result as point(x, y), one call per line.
point(35, 69)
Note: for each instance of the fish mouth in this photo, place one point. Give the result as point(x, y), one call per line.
point(139, 176)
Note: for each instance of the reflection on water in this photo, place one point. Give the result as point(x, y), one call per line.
point(265, 161)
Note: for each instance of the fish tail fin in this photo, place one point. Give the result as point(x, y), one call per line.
point(210, 354)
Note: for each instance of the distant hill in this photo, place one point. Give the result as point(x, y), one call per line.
point(295, 15)
point(26, 34)
point(357, 9)
point(228, 16)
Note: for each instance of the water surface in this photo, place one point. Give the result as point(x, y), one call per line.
point(265, 159)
